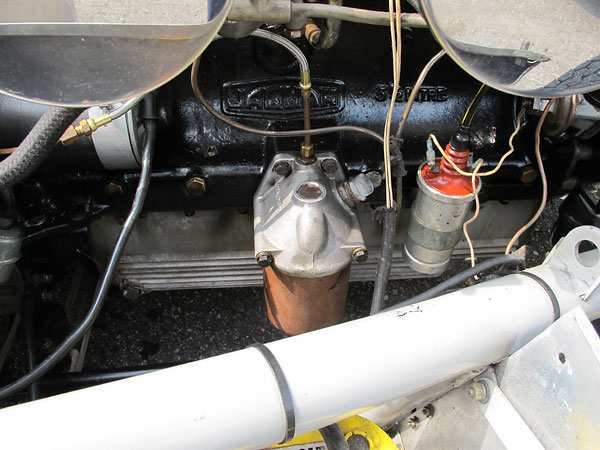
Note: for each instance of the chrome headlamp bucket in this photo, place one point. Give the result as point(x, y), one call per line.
point(67, 58)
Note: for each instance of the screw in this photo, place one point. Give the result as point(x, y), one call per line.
point(264, 259)
point(282, 168)
point(428, 410)
point(360, 254)
point(329, 165)
point(196, 185)
point(527, 175)
point(113, 188)
point(478, 390)
point(413, 422)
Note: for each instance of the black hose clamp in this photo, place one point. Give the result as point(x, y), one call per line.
point(547, 288)
point(284, 390)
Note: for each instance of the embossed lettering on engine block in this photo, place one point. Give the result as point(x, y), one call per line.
point(383, 92)
point(280, 98)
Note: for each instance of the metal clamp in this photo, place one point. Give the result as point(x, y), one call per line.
point(548, 289)
point(284, 390)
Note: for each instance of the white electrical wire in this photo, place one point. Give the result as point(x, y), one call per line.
point(495, 169)
point(476, 214)
point(538, 157)
point(474, 175)
point(396, 37)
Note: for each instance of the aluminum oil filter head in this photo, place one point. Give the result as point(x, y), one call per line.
point(300, 219)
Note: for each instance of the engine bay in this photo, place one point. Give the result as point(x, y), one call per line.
point(258, 145)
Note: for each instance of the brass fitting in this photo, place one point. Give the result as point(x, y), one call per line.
point(312, 33)
point(305, 80)
point(307, 151)
point(84, 128)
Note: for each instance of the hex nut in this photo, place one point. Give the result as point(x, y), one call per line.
point(428, 410)
point(264, 259)
point(113, 188)
point(413, 422)
point(69, 136)
point(478, 390)
point(360, 254)
point(329, 165)
point(527, 175)
point(282, 168)
point(196, 185)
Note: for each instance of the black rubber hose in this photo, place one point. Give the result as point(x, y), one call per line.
point(37, 145)
point(384, 265)
point(460, 278)
point(334, 438)
point(63, 349)
point(28, 324)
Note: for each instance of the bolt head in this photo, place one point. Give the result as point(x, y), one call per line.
point(113, 188)
point(413, 422)
point(360, 254)
point(282, 168)
point(196, 185)
point(527, 175)
point(264, 259)
point(478, 391)
point(329, 165)
point(428, 410)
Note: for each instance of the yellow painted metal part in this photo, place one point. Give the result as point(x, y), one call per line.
point(378, 439)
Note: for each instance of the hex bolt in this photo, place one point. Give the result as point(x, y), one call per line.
point(196, 185)
point(413, 422)
point(282, 168)
point(113, 188)
point(527, 175)
point(428, 410)
point(264, 259)
point(478, 390)
point(329, 165)
point(360, 254)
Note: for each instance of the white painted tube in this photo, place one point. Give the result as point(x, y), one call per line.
point(233, 401)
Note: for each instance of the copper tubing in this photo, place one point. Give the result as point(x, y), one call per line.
point(306, 108)
point(297, 305)
point(290, 134)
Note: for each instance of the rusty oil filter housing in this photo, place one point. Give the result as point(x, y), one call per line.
point(305, 237)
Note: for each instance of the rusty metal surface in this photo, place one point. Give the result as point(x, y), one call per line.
point(298, 305)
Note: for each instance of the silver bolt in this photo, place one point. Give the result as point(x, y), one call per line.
point(413, 422)
point(360, 254)
point(479, 391)
point(264, 259)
